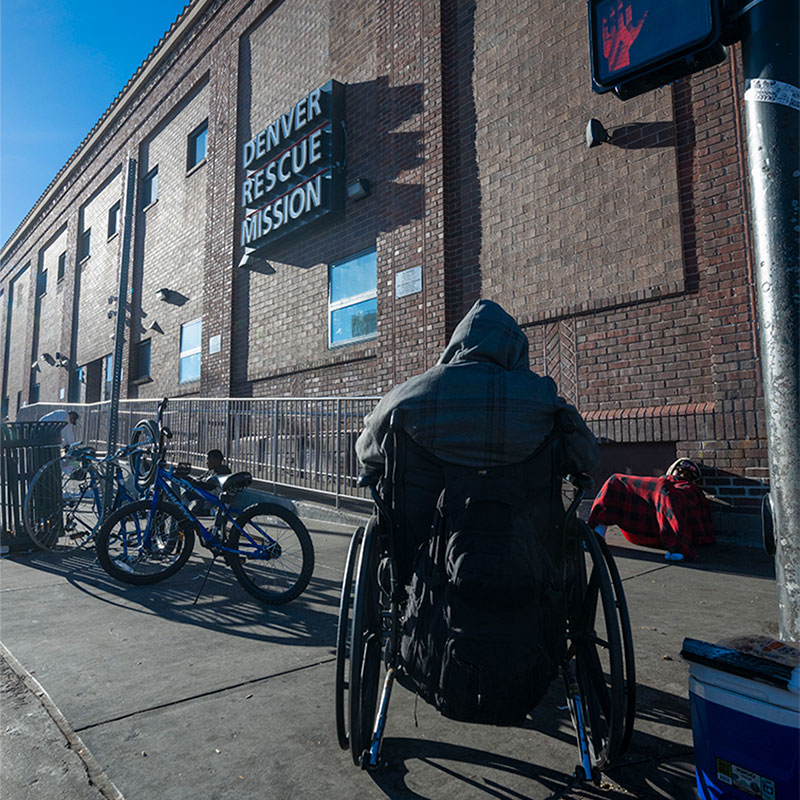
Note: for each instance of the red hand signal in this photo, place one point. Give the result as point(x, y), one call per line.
point(619, 33)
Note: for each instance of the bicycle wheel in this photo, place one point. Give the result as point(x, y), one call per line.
point(274, 556)
point(365, 646)
point(343, 639)
point(144, 459)
point(62, 510)
point(139, 547)
point(595, 653)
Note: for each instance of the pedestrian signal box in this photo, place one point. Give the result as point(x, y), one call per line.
point(639, 45)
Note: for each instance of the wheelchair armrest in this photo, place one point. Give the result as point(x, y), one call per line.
point(581, 481)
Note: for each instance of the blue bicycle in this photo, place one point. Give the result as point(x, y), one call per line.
point(63, 504)
point(266, 545)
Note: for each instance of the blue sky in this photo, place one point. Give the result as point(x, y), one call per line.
point(61, 65)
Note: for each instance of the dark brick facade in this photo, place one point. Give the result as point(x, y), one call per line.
point(628, 265)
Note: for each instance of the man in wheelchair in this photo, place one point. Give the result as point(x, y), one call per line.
point(466, 555)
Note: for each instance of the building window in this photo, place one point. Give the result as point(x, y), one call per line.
point(41, 283)
point(85, 245)
point(198, 146)
point(62, 266)
point(142, 361)
point(150, 188)
point(108, 375)
point(113, 219)
point(352, 300)
point(78, 377)
point(191, 341)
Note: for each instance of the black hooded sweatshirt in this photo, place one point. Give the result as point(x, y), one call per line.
point(481, 405)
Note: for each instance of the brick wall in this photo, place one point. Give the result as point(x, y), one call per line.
point(169, 251)
point(19, 309)
point(98, 273)
point(53, 380)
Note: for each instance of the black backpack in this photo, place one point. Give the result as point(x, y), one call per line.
point(483, 631)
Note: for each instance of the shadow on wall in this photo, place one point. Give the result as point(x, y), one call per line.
point(463, 225)
point(650, 459)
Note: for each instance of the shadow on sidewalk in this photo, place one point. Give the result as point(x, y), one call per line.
point(223, 605)
point(718, 558)
point(656, 764)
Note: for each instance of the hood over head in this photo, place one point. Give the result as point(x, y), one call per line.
point(487, 333)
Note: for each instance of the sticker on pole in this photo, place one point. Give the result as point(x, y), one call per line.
point(763, 90)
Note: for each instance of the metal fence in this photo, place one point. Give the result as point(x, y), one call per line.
point(307, 443)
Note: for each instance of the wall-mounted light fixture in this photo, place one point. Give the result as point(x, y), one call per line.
point(358, 190)
point(164, 295)
point(251, 260)
point(596, 133)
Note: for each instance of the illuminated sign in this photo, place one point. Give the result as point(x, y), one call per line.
point(638, 45)
point(294, 169)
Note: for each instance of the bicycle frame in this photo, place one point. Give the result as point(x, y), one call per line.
point(121, 496)
point(165, 478)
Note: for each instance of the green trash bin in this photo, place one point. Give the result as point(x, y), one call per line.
point(24, 448)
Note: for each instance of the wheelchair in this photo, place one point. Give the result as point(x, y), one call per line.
point(596, 658)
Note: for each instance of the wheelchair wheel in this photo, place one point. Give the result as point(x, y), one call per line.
point(365, 646)
point(629, 663)
point(343, 638)
point(595, 656)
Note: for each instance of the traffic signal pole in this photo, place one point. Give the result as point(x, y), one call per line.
point(772, 112)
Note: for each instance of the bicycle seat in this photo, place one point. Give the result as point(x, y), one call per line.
point(232, 483)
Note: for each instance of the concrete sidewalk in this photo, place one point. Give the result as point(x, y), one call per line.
point(228, 699)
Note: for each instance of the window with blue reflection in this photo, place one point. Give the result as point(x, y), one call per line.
point(191, 342)
point(353, 304)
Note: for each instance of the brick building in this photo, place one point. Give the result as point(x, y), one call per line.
point(459, 169)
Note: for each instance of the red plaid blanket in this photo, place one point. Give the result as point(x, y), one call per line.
point(666, 510)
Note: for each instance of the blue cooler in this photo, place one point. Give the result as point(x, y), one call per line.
point(745, 724)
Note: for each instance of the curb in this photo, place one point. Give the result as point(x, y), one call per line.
point(95, 772)
point(323, 513)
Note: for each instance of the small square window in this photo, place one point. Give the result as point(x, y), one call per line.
point(191, 350)
point(62, 266)
point(198, 146)
point(85, 245)
point(352, 300)
point(150, 188)
point(113, 219)
point(142, 361)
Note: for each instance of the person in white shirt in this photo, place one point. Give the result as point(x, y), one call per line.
point(69, 431)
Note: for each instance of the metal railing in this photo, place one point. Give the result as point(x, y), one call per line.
point(306, 443)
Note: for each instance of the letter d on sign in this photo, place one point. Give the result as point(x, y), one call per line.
point(249, 152)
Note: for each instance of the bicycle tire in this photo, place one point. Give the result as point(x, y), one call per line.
point(144, 460)
point(62, 509)
point(124, 531)
point(277, 572)
point(343, 639)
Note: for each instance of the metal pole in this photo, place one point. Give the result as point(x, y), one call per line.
point(119, 333)
point(772, 113)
